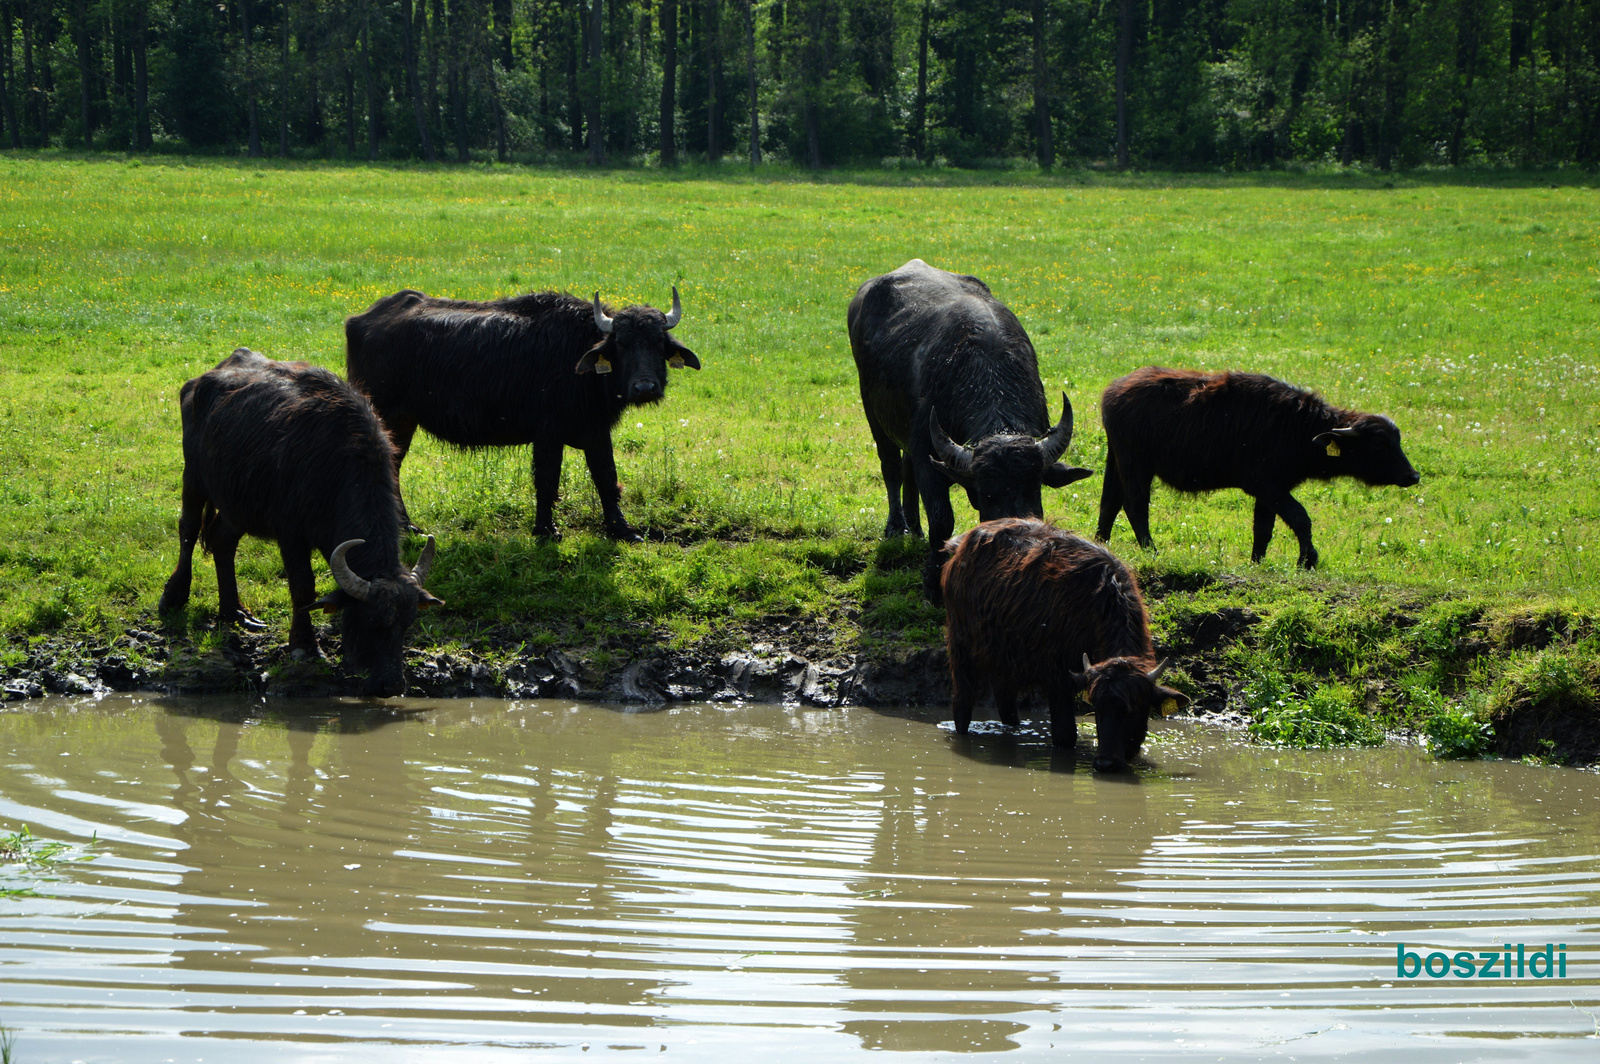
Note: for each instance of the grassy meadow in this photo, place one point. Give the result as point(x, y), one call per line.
point(1467, 312)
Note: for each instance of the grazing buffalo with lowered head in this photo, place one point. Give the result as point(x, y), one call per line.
point(1025, 603)
point(289, 452)
point(545, 368)
point(1204, 431)
point(940, 360)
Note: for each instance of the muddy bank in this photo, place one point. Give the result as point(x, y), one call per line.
point(799, 660)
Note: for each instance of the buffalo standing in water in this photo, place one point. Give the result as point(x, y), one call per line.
point(1024, 603)
point(545, 368)
point(937, 353)
point(289, 452)
point(1204, 431)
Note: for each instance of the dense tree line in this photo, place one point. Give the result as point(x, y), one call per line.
point(1133, 82)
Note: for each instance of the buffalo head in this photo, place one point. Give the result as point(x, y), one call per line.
point(376, 614)
point(1369, 450)
point(1123, 694)
point(637, 349)
point(1003, 473)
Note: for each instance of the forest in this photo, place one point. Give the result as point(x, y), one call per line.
point(1160, 84)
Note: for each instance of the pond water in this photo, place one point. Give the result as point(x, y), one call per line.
point(474, 879)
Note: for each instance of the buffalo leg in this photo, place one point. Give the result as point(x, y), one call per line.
point(302, 593)
point(963, 692)
point(935, 492)
point(1294, 515)
point(1063, 717)
point(908, 498)
point(897, 480)
point(1136, 503)
point(603, 471)
point(176, 594)
point(1266, 515)
point(1110, 497)
point(401, 430)
point(223, 539)
point(1005, 706)
point(547, 456)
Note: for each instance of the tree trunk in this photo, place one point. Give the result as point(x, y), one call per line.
point(458, 91)
point(755, 103)
point(919, 114)
point(1124, 53)
point(1041, 90)
point(8, 79)
point(250, 80)
point(495, 104)
point(574, 97)
point(713, 16)
point(435, 121)
point(597, 147)
point(349, 108)
point(283, 86)
point(142, 139)
point(366, 83)
point(669, 82)
point(413, 84)
point(85, 78)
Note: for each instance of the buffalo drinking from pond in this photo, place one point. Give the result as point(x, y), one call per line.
point(1204, 431)
point(1025, 602)
point(289, 452)
point(545, 368)
point(940, 359)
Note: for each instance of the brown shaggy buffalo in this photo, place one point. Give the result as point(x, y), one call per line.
point(1204, 431)
point(1026, 602)
point(289, 452)
point(546, 369)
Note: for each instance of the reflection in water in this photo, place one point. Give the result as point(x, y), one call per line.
point(487, 877)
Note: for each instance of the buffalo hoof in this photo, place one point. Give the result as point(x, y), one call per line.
point(246, 620)
point(625, 533)
point(549, 532)
point(1309, 561)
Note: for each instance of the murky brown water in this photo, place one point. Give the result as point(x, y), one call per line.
point(712, 882)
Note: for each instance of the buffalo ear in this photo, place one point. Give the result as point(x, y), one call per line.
point(596, 360)
point(1170, 701)
point(1059, 474)
point(679, 355)
point(426, 600)
point(332, 602)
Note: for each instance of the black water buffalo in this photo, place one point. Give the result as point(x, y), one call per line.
point(1024, 603)
point(289, 452)
point(940, 359)
point(1204, 431)
point(545, 368)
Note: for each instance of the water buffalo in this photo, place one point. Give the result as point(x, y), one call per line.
point(940, 359)
point(289, 452)
point(1204, 431)
point(544, 368)
point(1024, 603)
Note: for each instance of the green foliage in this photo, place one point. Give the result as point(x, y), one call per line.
point(1555, 676)
point(1329, 716)
point(1458, 731)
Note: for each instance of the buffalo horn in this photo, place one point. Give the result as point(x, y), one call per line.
point(419, 572)
point(1086, 665)
point(674, 315)
point(352, 584)
point(601, 320)
point(1155, 673)
point(957, 459)
point(1054, 445)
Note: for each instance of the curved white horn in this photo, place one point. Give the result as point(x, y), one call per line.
point(1155, 673)
point(674, 315)
point(601, 320)
point(419, 572)
point(352, 584)
point(1054, 444)
point(1086, 665)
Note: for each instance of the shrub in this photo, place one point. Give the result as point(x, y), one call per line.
point(1329, 716)
point(1457, 732)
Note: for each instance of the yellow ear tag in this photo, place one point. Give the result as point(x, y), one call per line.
point(676, 361)
point(1169, 706)
point(602, 365)
point(1333, 448)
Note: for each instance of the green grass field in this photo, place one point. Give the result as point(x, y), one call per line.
point(1467, 312)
